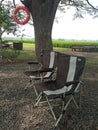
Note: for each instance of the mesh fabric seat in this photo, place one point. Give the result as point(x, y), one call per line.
point(46, 71)
point(67, 83)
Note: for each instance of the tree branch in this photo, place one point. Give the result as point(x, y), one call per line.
point(91, 5)
point(1, 2)
point(14, 3)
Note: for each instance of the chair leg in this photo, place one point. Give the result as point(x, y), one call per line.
point(64, 107)
point(54, 128)
point(74, 102)
point(50, 108)
point(62, 113)
point(35, 90)
point(31, 84)
point(38, 99)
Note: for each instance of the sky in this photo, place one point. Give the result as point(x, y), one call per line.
point(67, 28)
point(86, 28)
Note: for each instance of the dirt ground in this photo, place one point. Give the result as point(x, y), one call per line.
point(16, 104)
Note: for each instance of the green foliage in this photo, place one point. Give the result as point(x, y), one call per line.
point(24, 41)
point(70, 44)
point(7, 23)
point(9, 53)
point(19, 55)
point(26, 55)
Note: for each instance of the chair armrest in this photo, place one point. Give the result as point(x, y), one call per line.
point(46, 70)
point(42, 70)
point(33, 62)
point(36, 72)
point(28, 73)
point(72, 82)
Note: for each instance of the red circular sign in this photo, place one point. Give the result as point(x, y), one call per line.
point(16, 11)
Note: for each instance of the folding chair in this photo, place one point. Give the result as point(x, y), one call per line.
point(47, 70)
point(67, 83)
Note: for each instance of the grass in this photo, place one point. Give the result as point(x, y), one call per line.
point(26, 55)
point(19, 55)
point(28, 51)
point(58, 43)
point(28, 46)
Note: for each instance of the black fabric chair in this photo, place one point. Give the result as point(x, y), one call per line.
point(67, 83)
point(46, 71)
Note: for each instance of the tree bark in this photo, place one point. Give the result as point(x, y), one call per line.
point(43, 14)
point(0, 45)
point(0, 50)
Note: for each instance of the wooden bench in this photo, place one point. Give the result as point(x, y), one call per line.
point(85, 48)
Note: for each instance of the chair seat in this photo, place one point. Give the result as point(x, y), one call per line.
point(52, 88)
point(56, 92)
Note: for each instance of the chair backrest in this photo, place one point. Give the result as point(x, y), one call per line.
point(70, 68)
point(48, 60)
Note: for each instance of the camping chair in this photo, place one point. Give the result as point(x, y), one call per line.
point(47, 70)
point(67, 83)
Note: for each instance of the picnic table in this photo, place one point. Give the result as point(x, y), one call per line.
point(85, 48)
point(6, 45)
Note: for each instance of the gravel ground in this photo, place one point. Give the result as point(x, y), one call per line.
point(16, 104)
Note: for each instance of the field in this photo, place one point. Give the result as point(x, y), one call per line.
point(28, 51)
point(60, 43)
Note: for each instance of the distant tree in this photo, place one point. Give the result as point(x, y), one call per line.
point(7, 23)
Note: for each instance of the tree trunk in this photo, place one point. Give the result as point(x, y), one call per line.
point(42, 38)
point(43, 14)
point(0, 50)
